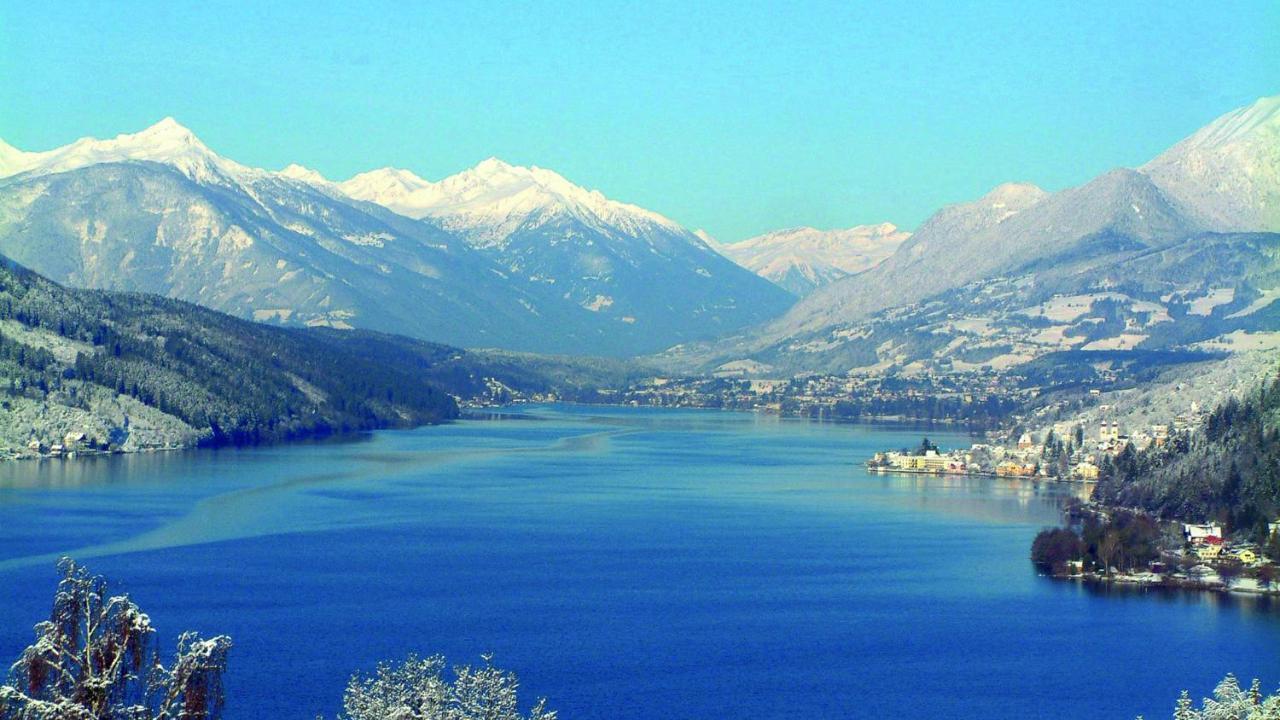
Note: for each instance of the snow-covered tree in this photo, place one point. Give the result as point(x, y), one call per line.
point(1230, 702)
point(96, 658)
point(417, 689)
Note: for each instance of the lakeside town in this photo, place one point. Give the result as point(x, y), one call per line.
point(1100, 543)
point(978, 400)
point(1064, 452)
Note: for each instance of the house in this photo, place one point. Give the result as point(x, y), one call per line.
point(1015, 469)
point(1025, 442)
point(1273, 528)
point(73, 440)
point(1210, 549)
point(1195, 533)
point(1160, 434)
point(33, 445)
point(1247, 556)
point(1085, 471)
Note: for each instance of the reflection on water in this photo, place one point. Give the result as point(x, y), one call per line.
point(53, 473)
point(1263, 607)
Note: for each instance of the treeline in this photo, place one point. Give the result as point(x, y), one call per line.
point(1228, 471)
point(242, 382)
point(1125, 540)
point(983, 413)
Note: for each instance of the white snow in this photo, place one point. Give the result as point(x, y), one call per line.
point(165, 142)
point(1229, 170)
point(1268, 297)
point(818, 256)
point(493, 199)
point(294, 171)
point(1215, 297)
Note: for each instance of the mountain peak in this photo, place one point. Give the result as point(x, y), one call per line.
point(294, 171)
point(1228, 172)
point(390, 187)
point(802, 259)
point(166, 142)
point(493, 164)
point(491, 200)
point(167, 127)
point(1021, 193)
point(1263, 116)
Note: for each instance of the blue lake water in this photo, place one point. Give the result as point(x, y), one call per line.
point(627, 564)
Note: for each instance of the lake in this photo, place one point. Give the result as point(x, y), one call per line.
point(626, 563)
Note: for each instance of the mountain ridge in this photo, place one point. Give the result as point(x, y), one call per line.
point(159, 211)
point(1018, 231)
point(802, 259)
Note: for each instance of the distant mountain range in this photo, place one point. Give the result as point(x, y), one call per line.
point(1179, 252)
point(496, 256)
point(803, 259)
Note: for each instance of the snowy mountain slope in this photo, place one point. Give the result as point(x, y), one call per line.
point(269, 251)
point(159, 211)
point(1019, 233)
point(1208, 291)
point(1014, 231)
point(804, 258)
point(494, 200)
point(166, 142)
point(628, 265)
point(1228, 173)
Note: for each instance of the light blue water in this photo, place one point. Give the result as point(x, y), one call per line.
point(627, 564)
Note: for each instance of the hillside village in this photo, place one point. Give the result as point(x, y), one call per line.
point(1065, 452)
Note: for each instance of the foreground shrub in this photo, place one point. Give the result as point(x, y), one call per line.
point(1230, 702)
point(417, 689)
point(96, 658)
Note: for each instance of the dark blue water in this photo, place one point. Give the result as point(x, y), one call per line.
point(627, 564)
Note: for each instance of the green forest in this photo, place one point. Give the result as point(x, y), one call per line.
point(239, 381)
point(1228, 471)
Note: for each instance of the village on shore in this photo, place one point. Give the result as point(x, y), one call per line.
point(1196, 556)
point(1064, 452)
point(1103, 544)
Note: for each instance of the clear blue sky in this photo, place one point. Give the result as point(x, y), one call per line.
point(733, 116)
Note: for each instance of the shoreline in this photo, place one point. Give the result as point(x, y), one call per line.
point(880, 470)
point(1164, 582)
point(465, 408)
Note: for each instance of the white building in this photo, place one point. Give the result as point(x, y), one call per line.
point(1197, 533)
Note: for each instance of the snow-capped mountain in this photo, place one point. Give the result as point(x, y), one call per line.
point(1228, 173)
point(161, 212)
point(623, 263)
point(803, 259)
point(1156, 230)
point(166, 142)
point(493, 200)
point(294, 171)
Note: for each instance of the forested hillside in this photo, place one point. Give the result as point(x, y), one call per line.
point(108, 364)
point(1228, 470)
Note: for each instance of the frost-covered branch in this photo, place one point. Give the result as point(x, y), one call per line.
point(96, 657)
point(417, 689)
point(1230, 702)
